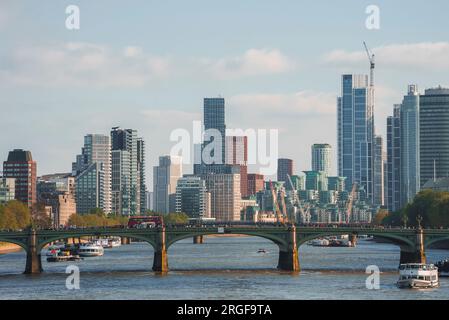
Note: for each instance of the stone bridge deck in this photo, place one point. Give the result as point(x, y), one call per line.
point(288, 238)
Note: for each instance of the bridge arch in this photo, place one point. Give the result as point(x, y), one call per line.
point(22, 244)
point(433, 240)
point(280, 242)
point(48, 240)
point(403, 242)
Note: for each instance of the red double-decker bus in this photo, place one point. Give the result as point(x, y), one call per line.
point(145, 221)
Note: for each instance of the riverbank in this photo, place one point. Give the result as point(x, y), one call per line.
point(8, 248)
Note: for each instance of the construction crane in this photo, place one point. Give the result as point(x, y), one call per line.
point(279, 217)
point(284, 207)
point(371, 58)
point(350, 202)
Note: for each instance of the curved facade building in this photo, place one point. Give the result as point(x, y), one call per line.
point(434, 134)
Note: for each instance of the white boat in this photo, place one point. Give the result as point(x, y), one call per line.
point(90, 250)
point(108, 243)
point(418, 276)
point(320, 243)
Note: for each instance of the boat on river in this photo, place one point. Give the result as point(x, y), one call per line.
point(418, 276)
point(90, 250)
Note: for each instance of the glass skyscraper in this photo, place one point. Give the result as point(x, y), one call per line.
point(214, 118)
point(356, 133)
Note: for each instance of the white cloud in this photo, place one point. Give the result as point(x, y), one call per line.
point(83, 64)
point(253, 62)
point(291, 104)
point(428, 55)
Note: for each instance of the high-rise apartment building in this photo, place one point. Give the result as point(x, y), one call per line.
point(225, 196)
point(434, 134)
point(237, 154)
point(356, 133)
point(22, 168)
point(192, 197)
point(128, 172)
point(92, 170)
point(321, 157)
point(165, 179)
point(285, 169)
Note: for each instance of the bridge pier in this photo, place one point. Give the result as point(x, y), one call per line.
point(198, 239)
point(33, 262)
point(353, 239)
point(289, 258)
point(160, 261)
point(418, 255)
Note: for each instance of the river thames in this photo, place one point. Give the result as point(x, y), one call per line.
point(221, 268)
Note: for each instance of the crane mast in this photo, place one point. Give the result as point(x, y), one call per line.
point(371, 58)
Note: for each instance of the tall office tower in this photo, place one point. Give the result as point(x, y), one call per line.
point(410, 181)
point(165, 179)
point(255, 184)
point(7, 189)
point(192, 197)
point(356, 133)
point(22, 168)
point(394, 160)
point(434, 134)
point(321, 158)
point(128, 172)
point(237, 154)
point(285, 169)
point(214, 118)
point(92, 170)
point(225, 196)
point(378, 194)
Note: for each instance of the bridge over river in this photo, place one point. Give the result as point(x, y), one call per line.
point(289, 238)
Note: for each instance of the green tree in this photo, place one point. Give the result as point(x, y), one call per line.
point(21, 213)
point(40, 217)
point(7, 219)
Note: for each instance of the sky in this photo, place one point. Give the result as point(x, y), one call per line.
point(147, 65)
